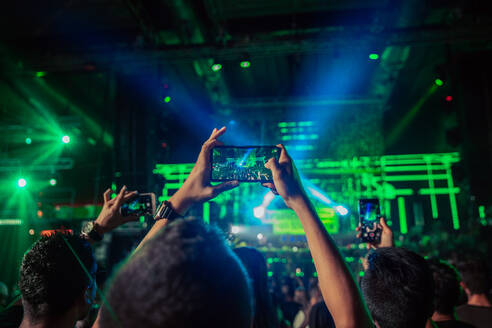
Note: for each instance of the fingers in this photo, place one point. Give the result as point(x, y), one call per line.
point(119, 199)
point(217, 133)
point(284, 156)
point(129, 195)
point(272, 164)
point(107, 195)
point(220, 188)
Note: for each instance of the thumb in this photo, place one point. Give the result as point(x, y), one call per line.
point(382, 221)
point(272, 165)
point(220, 188)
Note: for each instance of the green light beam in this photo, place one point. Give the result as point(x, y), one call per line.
point(403, 215)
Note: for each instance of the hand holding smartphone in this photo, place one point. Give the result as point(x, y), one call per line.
point(141, 204)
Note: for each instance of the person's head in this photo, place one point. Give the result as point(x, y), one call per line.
point(314, 293)
point(398, 288)
point(255, 264)
point(320, 317)
point(186, 276)
point(288, 288)
point(52, 280)
point(446, 287)
point(474, 276)
point(300, 296)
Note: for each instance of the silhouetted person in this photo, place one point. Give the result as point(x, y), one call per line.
point(186, 276)
point(56, 291)
point(254, 262)
point(398, 288)
point(475, 283)
point(446, 295)
point(320, 317)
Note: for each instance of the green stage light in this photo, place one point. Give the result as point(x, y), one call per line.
point(21, 183)
point(216, 67)
point(40, 74)
point(373, 56)
point(53, 182)
point(439, 82)
point(65, 139)
point(167, 99)
point(28, 140)
point(245, 64)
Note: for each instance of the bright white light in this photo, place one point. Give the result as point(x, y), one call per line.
point(319, 195)
point(259, 212)
point(259, 236)
point(234, 229)
point(341, 210)
point(295, 249)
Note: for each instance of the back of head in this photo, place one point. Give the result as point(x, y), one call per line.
point(398, 288)
point(255, 264)
point(184, 277)
point(474, 275)
point(320, 317)
point(446, 287)
point(51, 277)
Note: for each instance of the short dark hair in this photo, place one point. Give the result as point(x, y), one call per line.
point(186, 276)
point(446, 286)
point(255, 264)
point(474, 275)
point(51, 277)
point(398, 288)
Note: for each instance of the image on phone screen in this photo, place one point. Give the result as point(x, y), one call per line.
point(242, 163)
point(142, 204)
point(369, 214)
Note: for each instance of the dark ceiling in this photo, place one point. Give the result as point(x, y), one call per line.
point(102, 59)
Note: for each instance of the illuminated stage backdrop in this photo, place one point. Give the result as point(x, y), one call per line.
point(412, 189)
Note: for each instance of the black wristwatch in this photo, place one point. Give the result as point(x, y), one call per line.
point(89, 231)
point(166, 211)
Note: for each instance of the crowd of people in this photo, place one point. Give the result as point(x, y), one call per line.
point(184, 274)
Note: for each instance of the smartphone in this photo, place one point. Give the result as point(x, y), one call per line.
point(245, 163)
point(369, 214)
point(141, 204)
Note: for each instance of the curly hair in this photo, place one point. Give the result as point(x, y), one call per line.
point(51, 277)
point(184, 277)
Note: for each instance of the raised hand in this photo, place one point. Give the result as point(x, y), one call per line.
point(286, 181)
point(386, 236)
point(197, 187)
point(110, 216)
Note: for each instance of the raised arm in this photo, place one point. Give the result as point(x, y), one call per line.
point(197, 187)
point(340, 292)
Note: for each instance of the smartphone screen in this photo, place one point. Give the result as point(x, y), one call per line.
point(142, 204)
point(242, 163)
point(369, 214)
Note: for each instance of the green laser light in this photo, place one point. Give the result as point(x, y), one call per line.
point(40, 74)
point(373, 56)
point(439, 82)
point(65, 139)
point(167, 99)
point(53, 182)
point(245, 64)
point(21, 182)
point(28, 140)
point(216, 67)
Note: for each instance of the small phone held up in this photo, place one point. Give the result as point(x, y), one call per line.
point(369, 215)
point(141, 204)
point(245, 163)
